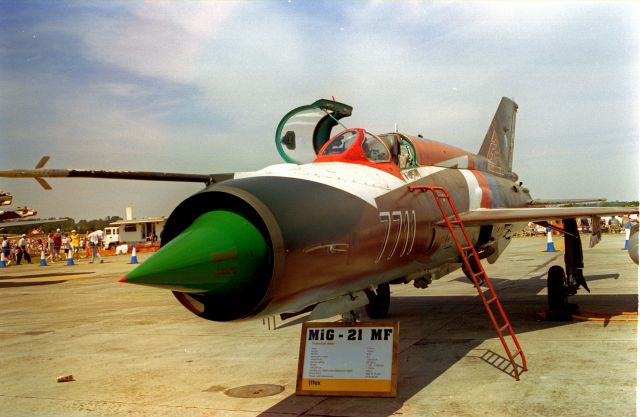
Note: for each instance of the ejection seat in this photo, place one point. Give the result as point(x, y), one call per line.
point(392, 140)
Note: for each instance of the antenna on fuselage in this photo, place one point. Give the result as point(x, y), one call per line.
point(395, 127)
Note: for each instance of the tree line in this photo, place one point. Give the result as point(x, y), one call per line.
point(607, 204)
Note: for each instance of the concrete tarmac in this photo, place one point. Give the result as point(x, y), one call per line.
point(134, 351)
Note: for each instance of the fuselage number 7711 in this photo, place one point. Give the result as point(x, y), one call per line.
point(398, 238)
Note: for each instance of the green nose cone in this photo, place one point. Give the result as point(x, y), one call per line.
point(221, 252)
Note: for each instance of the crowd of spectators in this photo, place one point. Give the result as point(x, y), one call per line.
point(56, 247)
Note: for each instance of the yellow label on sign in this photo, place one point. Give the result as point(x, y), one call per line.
point(346, 385)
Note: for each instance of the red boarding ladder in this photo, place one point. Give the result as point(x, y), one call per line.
point(471, 262)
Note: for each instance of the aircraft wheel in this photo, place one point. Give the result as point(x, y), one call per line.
point(556, 296)
point(378, 306)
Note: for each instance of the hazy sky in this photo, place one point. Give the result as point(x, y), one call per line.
point(200, 87)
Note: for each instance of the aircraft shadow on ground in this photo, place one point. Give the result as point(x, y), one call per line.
point(6, 283)
point(538, 281)
point(13, 284)
point(46, 275)
point(438, 331)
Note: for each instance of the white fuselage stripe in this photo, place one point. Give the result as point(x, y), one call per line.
point(475, 192)
point(361, 181)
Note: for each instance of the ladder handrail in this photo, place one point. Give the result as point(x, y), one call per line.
point(440, 193)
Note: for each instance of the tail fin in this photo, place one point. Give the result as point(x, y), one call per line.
point(497, 146)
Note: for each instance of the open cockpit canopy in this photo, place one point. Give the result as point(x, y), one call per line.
point(304, 130)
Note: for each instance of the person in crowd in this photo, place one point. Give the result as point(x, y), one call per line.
point(66, 245)
point(51, 245)
point(6, 249)
point(95, 238)
point(57, 244)
point(75, 244)
point(22, 250)
point(13, 246)
point(31, 247)
point(83, 246)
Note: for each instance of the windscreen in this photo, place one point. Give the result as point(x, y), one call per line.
point(340, 144)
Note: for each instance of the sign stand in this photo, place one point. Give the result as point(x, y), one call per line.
point(348, 359)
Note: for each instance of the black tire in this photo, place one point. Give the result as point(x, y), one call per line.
point(556, 296)
point(379, 302)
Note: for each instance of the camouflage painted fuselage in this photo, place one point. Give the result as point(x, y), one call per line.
point(335, 228)
point(340, 225)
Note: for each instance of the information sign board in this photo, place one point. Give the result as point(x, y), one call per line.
point(348, 359)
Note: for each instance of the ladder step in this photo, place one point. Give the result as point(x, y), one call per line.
point(492, 300)
point(503, 328)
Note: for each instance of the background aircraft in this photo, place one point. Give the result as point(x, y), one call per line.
point(5, 198)
point(12, 218)
point(19, 213)
point(331, 229)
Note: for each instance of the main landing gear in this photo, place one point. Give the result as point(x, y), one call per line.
point(378, 307)
point(379, 301)
point(561, 285)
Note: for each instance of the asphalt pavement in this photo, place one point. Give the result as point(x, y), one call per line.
point(135, 351)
